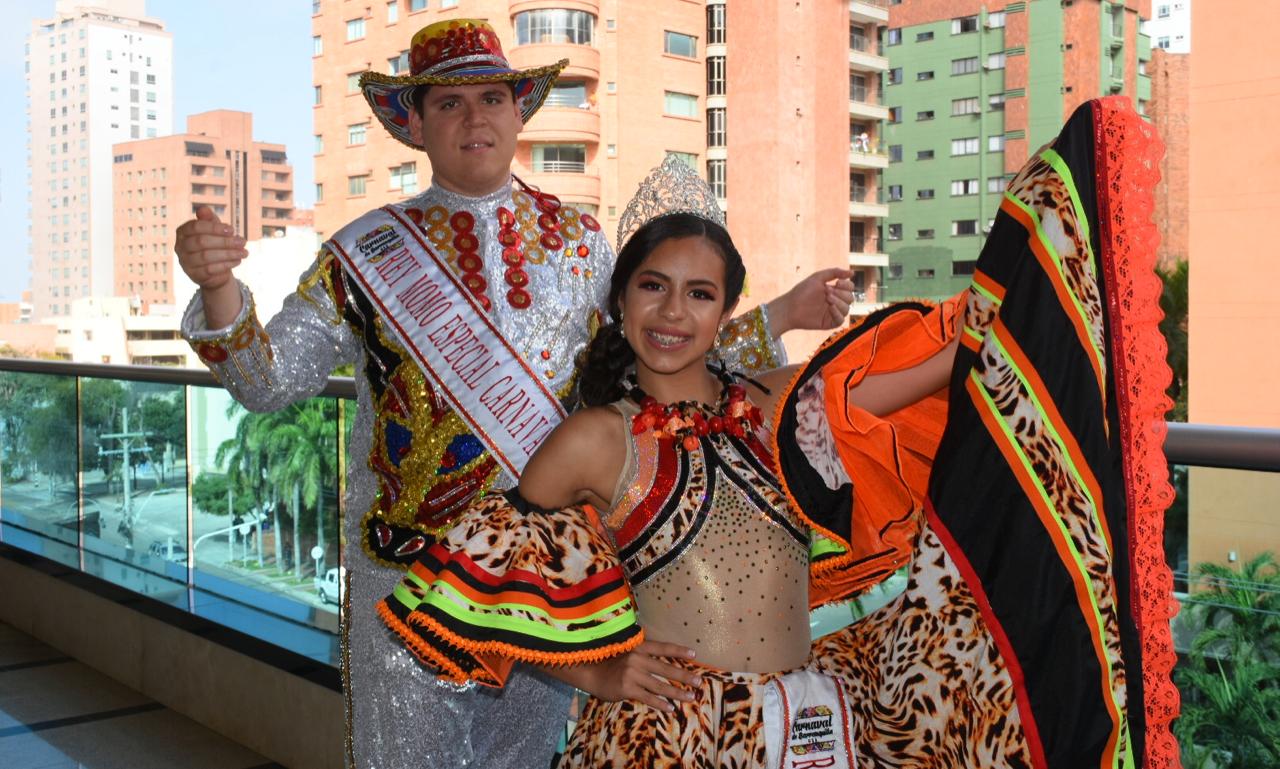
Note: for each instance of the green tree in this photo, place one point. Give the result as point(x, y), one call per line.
point(209, 495)
point(246, 462)
point(1173, 301)
point(303, 459)
point(1230, 678)
point(163, 415)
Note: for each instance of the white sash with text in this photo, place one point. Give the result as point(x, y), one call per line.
point(450, 337)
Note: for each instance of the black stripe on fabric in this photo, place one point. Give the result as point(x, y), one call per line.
point(777, 516)
point(34, 664)
point(665, 512)
point(479, 634)
point(519, 586)
point(87, 718)
point(695, 524)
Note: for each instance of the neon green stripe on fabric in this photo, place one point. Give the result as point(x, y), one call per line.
point(447, 599)
point(1079, 572)
point(972, 332)
point(1040, 235)
point(820, 546)
point(1054, 434)
point(982, 290)
point(1055, 160)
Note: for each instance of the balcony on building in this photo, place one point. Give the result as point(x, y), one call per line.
point(864, 53)
point(549, 34)
point(865, 252)
point(869, 11)
point(862, 95)
point(569, 114)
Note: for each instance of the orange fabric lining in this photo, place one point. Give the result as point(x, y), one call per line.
point(888, 458)
point(535, 600)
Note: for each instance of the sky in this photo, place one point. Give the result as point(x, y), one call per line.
point(249, 55)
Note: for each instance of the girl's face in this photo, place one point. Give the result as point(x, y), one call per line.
point(673, 305)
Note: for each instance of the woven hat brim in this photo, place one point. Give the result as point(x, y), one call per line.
point(388, 95)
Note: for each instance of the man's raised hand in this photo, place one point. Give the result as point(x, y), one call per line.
point(208, 250)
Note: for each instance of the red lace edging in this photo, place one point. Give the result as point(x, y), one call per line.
point(1128, 155)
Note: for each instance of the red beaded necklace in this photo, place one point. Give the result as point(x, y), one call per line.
point(687, 421)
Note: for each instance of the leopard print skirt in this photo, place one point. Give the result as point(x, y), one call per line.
point(926, 683)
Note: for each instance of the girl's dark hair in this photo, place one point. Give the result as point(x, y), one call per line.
point(601, 366)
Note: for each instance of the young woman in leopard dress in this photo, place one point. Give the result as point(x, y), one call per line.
point(997, 446)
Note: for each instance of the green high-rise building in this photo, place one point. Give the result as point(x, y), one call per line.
point(970, 98)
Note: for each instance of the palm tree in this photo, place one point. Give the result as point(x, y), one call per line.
point(303, 457)
point(1231, 675)
point(247, 461)
point(1173, 302)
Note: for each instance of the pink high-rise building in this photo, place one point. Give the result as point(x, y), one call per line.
point(160, 182)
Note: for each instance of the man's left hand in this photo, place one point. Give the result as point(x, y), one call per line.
point(820, 301)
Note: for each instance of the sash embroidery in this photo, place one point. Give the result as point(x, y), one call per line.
point(807, 723)
point(447, 333)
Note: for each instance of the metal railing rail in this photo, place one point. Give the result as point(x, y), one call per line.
point(1200, 445)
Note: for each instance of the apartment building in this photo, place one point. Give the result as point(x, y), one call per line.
point(744, 94)
point(97, 73)
point(973, 88)
point(159, 183)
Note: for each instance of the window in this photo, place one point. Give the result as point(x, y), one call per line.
point(924, 155)
point(399, 65)
point(967, 106)
point(356, 133)
point(894, 76)
point(716, 127)
point(1162, 42)
point(421, 5)
point(895, 192)
point(995, 143)
point(893, 232)
point(895, 153)
point(715, 76)
point(895, 114)
point(924, 272)
point(893, 37)
point(555, 25)
point(1162, 12)
point(995, 61)
point(443, 3)
point(924, 234)
point(857, 87)
point(995, 20)
point(356, 184)
point(924, 74)
point(895, 272)
point(959, 269)
point(317, 46)
point(679, 104)
point(353, 82)
point(995, 102)
point(924, 193)
point(560, 158)
point(688, 158)
point(393, 11)
point(319, 192)
point(964, 187)
point(997, 184)
point(572, 94)
point(967, 146)
point(925, 115)
point(315, 8)
point(405, 178)
point(355, 29)
point(715, 24)
point(964, 24)
point(924, 37)
point(964, 66)
point(857, 38)
point(964, 227)
point(716, 176)
point(317, 95)
point(679, 44)
point(858, 188)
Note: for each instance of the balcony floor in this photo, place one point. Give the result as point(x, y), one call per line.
point(56, 713)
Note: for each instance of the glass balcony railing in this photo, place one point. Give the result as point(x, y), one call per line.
point(155, 480)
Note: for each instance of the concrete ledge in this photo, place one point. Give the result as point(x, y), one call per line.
point(282, 716)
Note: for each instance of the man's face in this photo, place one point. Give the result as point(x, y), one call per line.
point(469, 133)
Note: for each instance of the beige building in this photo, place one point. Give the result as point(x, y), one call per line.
point(158, 184)
point(98, 73)
point(787, 155)
point(1235, 308)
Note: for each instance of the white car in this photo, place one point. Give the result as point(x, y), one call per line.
point(330, 588)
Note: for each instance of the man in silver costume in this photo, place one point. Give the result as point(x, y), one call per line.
point(540, 270)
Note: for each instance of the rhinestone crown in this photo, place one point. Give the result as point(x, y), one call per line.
point(671, 188)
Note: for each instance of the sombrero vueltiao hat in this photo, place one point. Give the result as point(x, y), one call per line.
point(455, 52)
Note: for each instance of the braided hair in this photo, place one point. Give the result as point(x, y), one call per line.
point(605, 361)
